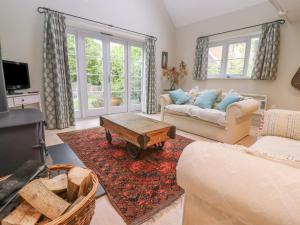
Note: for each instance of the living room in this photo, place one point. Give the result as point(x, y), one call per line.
point(149, 112)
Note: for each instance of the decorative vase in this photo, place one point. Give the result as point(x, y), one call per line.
point(116, 101)
point(173, 86)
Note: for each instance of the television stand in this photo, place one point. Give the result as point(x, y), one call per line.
point(12, 92)
point(26, 100)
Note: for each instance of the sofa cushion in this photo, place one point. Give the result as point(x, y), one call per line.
point(282, 123)
point(194, 92)
point(206, 99)
point(209, 115)
point(278, 147)
point(230, 98)
point(181, 110)
point(179, 97)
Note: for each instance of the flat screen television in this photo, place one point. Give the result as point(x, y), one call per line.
point(16, 76)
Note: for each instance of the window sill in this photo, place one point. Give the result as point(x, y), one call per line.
point(228, 78)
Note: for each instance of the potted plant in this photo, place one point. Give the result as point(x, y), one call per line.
point(173, 75)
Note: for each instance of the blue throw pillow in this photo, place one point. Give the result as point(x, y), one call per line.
point(179, 97)
point(206, 99)
point(230, 98)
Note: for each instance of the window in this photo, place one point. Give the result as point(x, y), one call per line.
point(94, 72)
point(117, 76)
point(232, 58)
point(136, 73)
point(72, 56)
point(106, 73)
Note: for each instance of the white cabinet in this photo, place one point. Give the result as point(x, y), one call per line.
point(28, 100)
point(10, 102)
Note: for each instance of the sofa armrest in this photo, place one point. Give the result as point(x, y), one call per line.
point(165, 100)
point(249, 188)
point(242, 108)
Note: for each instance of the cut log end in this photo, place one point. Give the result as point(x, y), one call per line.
point(79, 181)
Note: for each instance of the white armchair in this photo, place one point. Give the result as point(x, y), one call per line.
point(225, 186)
point(234, 185)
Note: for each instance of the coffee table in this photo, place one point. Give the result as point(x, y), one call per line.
point(141, 133)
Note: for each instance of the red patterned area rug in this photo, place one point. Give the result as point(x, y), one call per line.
point(136, 188)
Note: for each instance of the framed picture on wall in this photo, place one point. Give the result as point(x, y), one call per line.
point(164, 60)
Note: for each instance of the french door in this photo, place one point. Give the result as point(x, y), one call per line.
point(106, 74)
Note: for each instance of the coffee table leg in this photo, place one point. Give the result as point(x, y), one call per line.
point(133, 150)
point(159, 146)
point(108, 136)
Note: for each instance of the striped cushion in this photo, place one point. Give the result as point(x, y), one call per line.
point(283, 123)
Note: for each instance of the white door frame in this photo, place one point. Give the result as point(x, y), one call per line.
point(77, 114)
point(86, 112)
point(80, 35)
point(131, 106)
point(124, 106)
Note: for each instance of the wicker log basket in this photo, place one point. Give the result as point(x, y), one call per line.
point(83, 212)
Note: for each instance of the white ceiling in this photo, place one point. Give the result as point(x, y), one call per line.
point(184, 12)
point(289, 9)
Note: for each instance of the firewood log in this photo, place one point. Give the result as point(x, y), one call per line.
point(77, 201)
point(79, 181)
point(44, 200)
point(44, 221)
point(24, 214)
point(57, 184)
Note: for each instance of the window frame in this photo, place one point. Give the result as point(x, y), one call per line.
point(72, 31)
point(128, 106)
point(132, 106)
point(225, 43)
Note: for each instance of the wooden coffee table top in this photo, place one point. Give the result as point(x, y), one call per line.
point(139, 124)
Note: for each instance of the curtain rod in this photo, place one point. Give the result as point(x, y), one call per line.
point(275, 21)
point(43, 10)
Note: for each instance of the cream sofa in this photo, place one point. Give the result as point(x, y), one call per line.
point(229, 127)
point(234, 185)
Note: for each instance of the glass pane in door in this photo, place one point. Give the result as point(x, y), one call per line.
point(136, 74)
point(94, 72)
point(72, 56)
point(117, 78)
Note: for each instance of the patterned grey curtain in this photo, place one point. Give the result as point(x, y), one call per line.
point(201, 59)
point(266, 62)
point(57, 83)
point(150, 101)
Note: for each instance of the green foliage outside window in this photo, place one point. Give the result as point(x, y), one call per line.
point(72, 57)
point(94, 70)
point(235, 58)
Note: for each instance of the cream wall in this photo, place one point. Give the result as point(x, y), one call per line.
point(21, 27)
point(21, 30)
point(280, 92)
